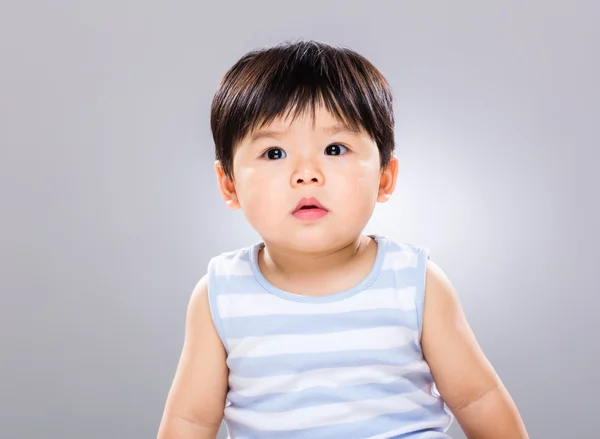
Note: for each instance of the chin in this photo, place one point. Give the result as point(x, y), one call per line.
point(314, 241)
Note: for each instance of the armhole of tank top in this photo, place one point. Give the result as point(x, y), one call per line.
point(213, 292)
point(422, 258)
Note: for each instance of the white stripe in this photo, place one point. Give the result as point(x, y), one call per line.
point(387, 337)
point(241, 305)
point(440, 422)
point(335, 377)
point(328, 414)
point(398, 260)
point(233, 267)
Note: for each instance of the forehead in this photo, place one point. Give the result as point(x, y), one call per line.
point(321, 121)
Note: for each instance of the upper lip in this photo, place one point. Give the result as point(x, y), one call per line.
point(310, 201)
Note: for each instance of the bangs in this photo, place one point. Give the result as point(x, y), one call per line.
point(294, 80)
point(299, 102)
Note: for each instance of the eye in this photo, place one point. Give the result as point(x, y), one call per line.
point(335, 149)
point(274, 154)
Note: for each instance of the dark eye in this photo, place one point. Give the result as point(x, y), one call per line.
point(335, 149)
point(274, 154)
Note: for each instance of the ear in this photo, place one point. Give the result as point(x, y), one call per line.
point(227, 187)
point(387, 180)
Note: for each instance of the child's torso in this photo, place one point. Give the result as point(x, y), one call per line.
point(346, 365)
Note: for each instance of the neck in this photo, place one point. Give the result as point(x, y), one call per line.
point(291, 264)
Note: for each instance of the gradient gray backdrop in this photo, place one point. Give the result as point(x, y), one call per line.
point(110, 209)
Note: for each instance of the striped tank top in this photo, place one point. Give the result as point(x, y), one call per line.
point(347, 365)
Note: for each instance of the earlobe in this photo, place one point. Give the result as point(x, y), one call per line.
point(226, 186)
point(387, 180)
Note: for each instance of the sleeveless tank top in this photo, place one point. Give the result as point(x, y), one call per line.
point(347, 365)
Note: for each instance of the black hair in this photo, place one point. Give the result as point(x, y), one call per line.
point(295, 77)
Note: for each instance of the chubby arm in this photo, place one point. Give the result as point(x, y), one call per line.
point(464, 377)
point(196, 400)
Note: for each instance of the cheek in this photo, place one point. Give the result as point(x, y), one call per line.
point(258, 192)
point(362, 180)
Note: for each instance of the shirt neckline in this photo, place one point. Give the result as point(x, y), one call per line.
point(333, 297)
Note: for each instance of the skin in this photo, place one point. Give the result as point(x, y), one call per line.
point(348, 181)
point(348, 185)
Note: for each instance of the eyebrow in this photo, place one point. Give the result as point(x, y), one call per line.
point(329, 130)
point(340, 128)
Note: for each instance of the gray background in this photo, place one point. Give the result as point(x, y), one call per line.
point(110, 209)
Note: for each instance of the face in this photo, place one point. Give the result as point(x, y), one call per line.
point(307, 185)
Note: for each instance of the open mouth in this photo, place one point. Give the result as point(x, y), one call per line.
point(309, 203)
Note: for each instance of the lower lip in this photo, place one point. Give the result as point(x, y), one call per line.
point(310, 214)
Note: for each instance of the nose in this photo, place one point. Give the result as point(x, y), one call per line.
point(307, 174)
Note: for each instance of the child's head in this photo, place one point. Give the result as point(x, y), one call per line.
point(304, 120)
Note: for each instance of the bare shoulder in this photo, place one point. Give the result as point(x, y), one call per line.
point(198, 309)
point(196, 399)
point(463, 375)
point(200, 330)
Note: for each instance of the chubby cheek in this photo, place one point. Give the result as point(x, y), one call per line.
point(360, 187)
point(261, 197)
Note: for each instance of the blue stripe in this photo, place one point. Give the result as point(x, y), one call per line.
point(260, 326)
point(286, 364)
point(358, 430)
point(317, 396)
point(247, 284)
